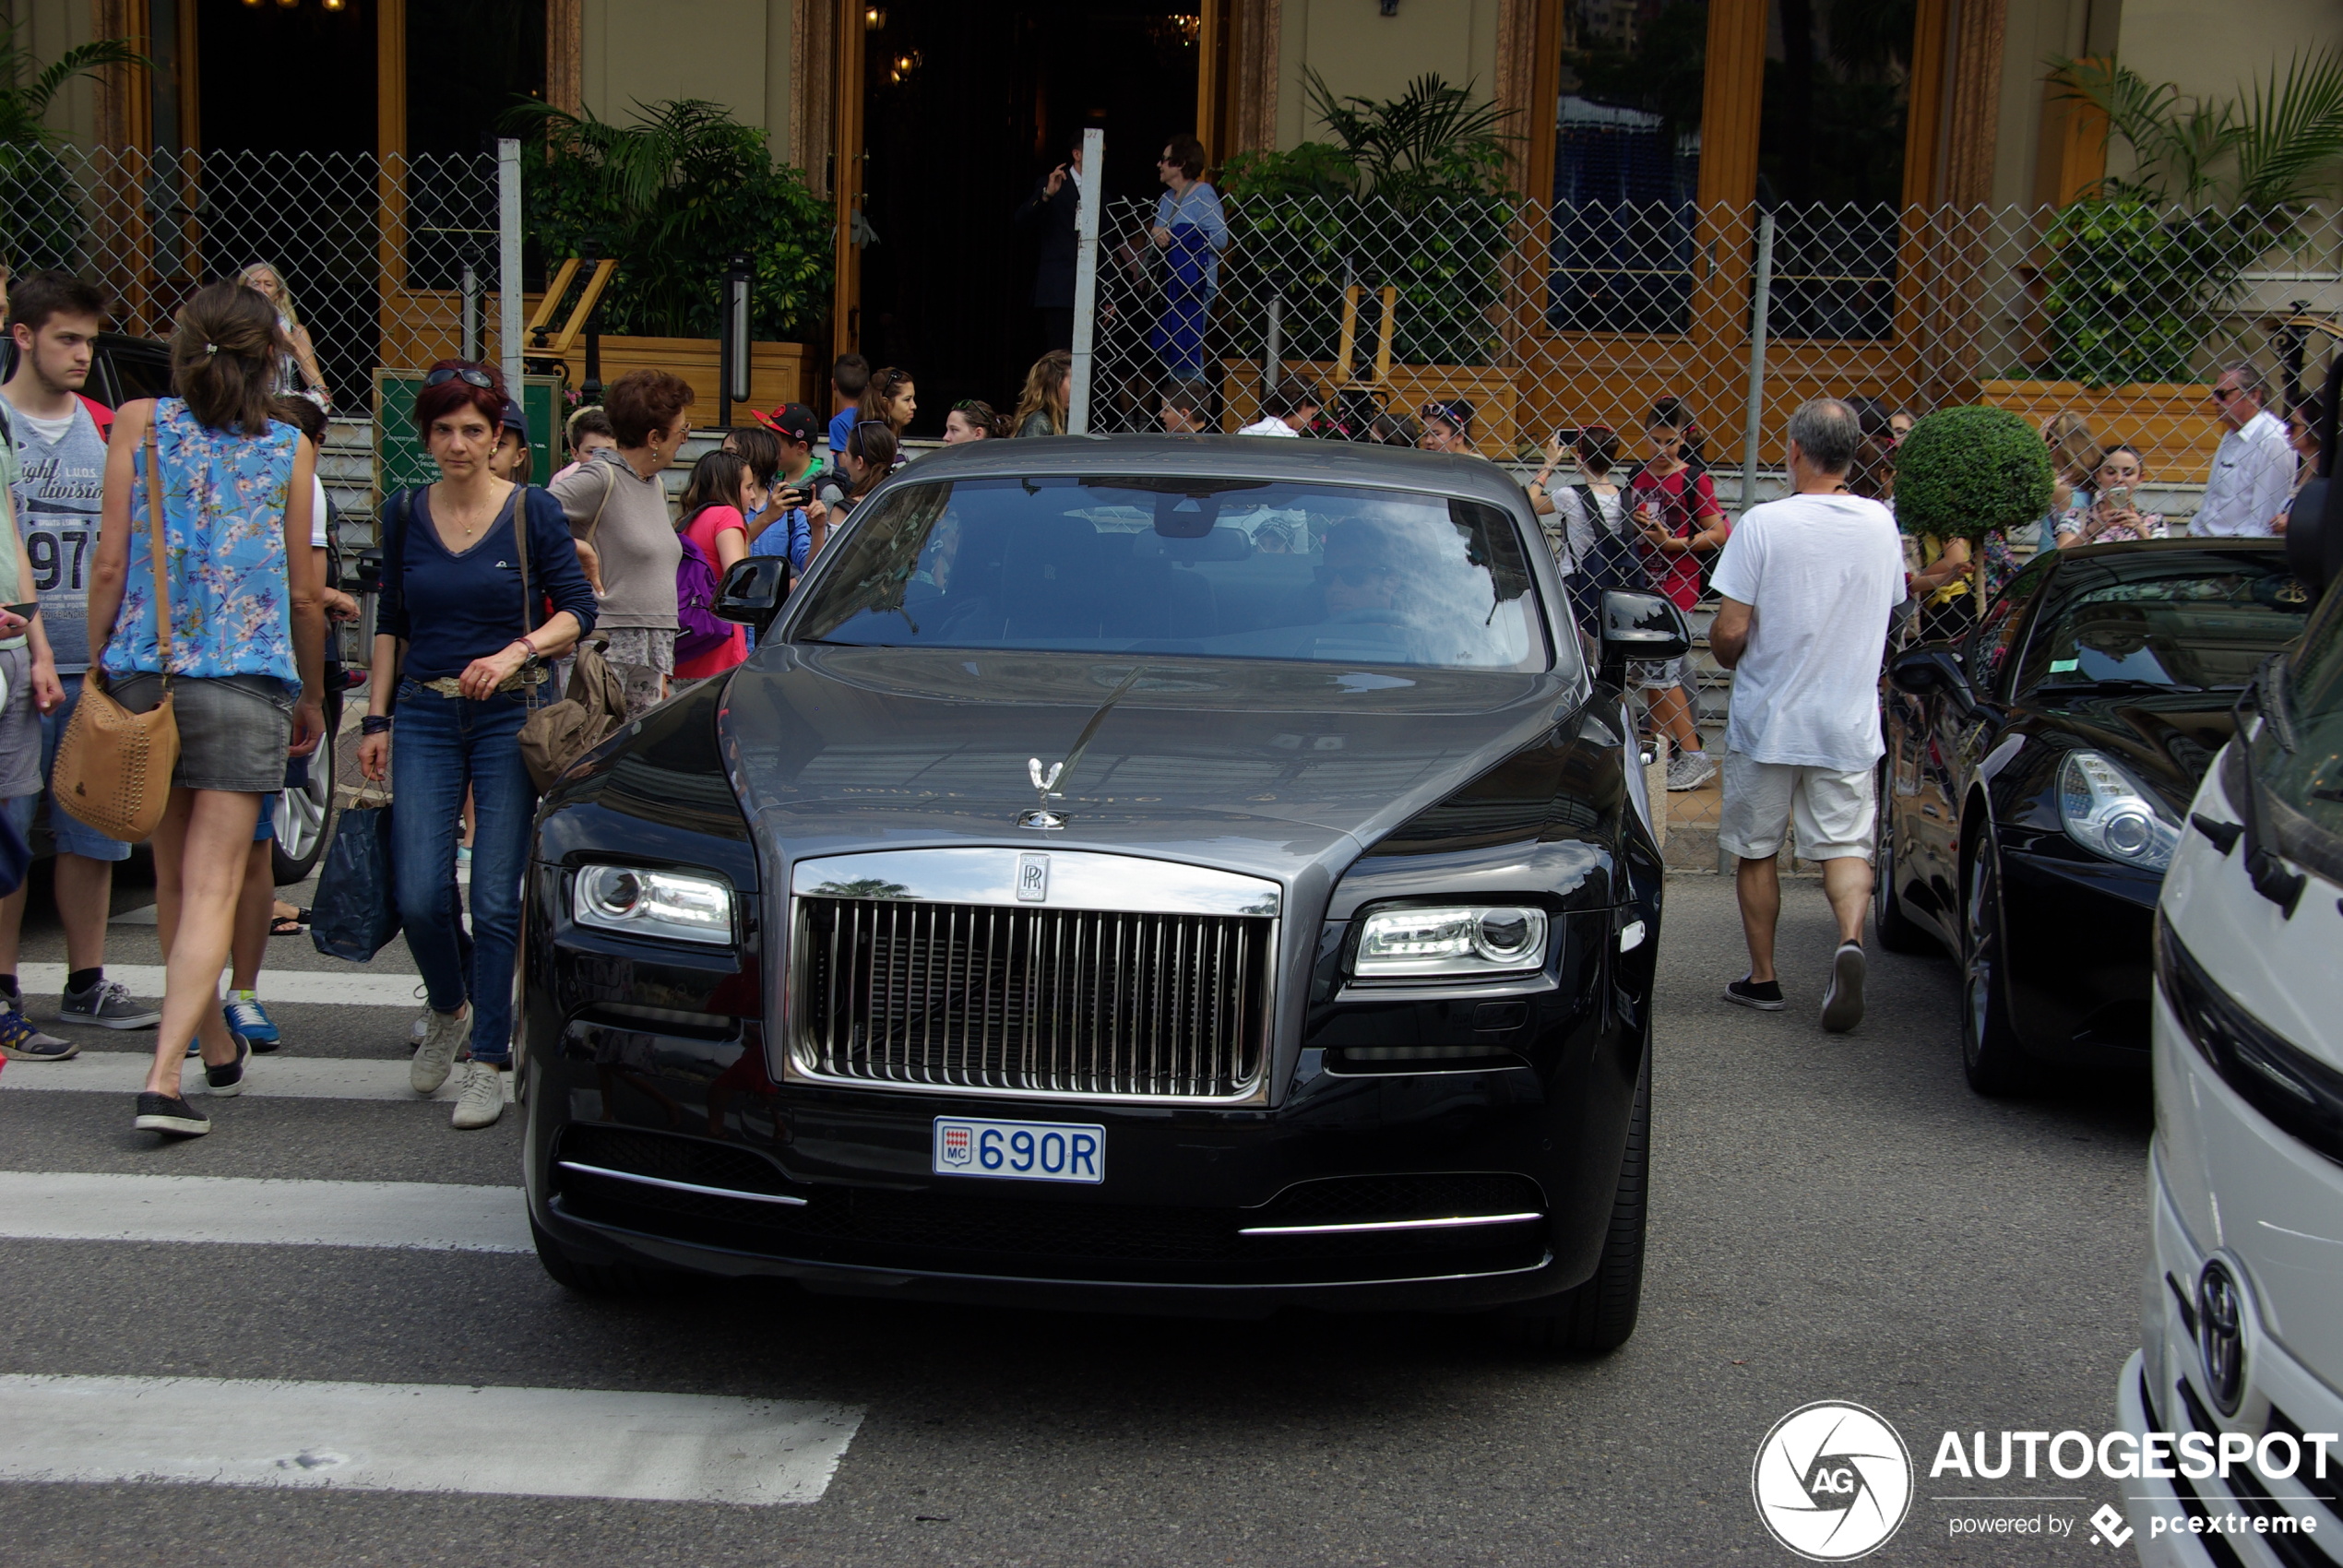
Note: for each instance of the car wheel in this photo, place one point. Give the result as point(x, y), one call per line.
point(1897, 932)
point(601, 1278)
point(1599, 1315)
point(302, 813)
point(1991, 1056)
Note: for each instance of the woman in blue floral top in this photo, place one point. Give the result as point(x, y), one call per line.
point(241, 660)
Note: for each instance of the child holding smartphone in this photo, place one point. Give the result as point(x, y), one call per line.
point(2115, 516)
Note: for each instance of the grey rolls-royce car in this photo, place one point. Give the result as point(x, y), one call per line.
point(1179, 873)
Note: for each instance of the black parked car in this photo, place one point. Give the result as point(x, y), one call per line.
point(2039, 774)
point(1196, 872)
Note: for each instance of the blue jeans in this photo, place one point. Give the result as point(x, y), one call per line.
point(440, 745)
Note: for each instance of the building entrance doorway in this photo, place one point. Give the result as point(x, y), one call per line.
point(963, 108)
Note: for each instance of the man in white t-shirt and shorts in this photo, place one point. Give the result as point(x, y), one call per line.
point(1808, 582)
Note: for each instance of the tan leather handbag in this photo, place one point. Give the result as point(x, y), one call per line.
point(556, 735)
point(114, 765)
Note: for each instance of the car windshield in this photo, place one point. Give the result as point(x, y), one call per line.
point(2201, 624)
point(1210, 567)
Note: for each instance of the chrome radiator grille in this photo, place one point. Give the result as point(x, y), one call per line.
point(1027, 1000)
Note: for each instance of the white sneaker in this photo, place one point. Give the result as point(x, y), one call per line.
point(481, 1100)
point(1843, 1003)
point(435, 1058)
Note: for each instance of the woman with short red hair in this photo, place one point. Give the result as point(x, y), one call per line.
point(460, 658)
point(617, 508)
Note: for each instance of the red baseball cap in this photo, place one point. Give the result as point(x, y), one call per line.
point(792, 421)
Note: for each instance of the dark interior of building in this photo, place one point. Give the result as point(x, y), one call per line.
point(966, 106)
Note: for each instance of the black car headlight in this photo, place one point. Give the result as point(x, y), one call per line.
point(678, 906)
point(1451, 940)
point(2104, 810)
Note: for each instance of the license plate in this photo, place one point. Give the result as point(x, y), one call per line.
point(1019, 1151)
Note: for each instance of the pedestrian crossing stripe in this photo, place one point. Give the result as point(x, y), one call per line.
point(422, 1437)
point(59, 1206)
point(266, 1077)
point(145, 981)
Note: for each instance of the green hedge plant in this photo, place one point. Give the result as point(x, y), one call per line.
point(1969, 473)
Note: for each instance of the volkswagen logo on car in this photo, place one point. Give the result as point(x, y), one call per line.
point(1832, 1481)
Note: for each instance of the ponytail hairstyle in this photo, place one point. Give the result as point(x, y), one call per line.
point(1596, 449)
point(223, 346)
point(884, 384)
point(715, 481)
point(1673, 413)
point(981, 417)
point(873, 440)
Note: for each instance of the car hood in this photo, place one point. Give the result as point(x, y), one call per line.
point(2168, 739)
point(1255, 766)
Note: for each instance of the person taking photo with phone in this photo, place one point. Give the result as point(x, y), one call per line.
point(2115, 516)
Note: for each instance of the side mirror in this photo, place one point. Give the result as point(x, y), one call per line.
point(753, 590)
point(1640, 625)
point(1923, 672)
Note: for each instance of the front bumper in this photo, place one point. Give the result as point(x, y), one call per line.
point(2210, 1522)
point(2078, 945)
point(695, 1159)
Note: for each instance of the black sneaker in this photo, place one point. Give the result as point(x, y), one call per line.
point(1843, 1002)
point(109, 1004)
point(1764, 995)
point(230, 1078)
point(169, 1114)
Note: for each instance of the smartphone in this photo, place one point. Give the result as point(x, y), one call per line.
point(791, 498)
point(2117, 498)
point(24, 611)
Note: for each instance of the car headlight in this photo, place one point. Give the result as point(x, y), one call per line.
point(653, 903)
point(1467, 939)
point(2105, 812)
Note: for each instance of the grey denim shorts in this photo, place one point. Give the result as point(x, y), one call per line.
point(232, 728)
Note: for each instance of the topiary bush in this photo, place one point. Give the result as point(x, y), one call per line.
point(1965, 473)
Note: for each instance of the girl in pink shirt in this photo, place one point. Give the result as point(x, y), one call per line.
point(714, 517)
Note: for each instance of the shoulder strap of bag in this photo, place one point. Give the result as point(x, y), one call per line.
point(154, 540)
point(610, 482)
point(520, 548)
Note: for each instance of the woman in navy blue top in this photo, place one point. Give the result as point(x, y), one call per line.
point(460, 656)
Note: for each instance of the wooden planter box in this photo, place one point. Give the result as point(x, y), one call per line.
point(419, 328)
point(2173, 424)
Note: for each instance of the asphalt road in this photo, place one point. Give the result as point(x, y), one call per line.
point(1832, 1219)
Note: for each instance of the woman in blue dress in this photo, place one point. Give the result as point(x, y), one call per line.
point(1191, 231)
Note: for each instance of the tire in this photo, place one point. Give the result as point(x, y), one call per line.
point(1899, 932)
point(1598, 1316)
point(304, 815)
point(604, 1280)
point(1991, 1058)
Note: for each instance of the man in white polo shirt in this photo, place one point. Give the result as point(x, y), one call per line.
point(2253, 474)
point(1808, 583)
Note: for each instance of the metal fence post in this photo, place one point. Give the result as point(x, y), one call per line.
point(1760, 307)
point(1086, 280)
point(470, 295)
point(508, 315)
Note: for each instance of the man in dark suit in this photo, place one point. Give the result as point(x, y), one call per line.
point(1051, 210)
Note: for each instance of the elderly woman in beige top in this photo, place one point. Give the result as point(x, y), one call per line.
point(618, 512)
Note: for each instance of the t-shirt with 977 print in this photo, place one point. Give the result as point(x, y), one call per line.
point(59, 492)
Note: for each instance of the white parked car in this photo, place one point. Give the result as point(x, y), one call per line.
point(2244, 1294)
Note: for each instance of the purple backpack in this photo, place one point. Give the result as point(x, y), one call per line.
point(698, 629)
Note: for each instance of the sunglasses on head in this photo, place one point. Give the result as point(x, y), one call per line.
point(468, 375)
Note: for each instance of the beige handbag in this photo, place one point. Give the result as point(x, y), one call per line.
point(114, 765)
point(556, 735)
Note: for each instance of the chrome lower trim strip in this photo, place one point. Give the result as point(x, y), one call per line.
point(585, 1170)
point(1454, 1222)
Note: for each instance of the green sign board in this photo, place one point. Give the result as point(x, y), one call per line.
point(400, 458)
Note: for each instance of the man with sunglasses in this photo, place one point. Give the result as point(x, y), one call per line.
point(2252, 467)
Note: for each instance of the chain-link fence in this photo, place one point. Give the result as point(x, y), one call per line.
point(389, 262)
point(1525, 328)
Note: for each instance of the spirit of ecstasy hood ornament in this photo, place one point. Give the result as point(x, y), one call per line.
point(1045, 779)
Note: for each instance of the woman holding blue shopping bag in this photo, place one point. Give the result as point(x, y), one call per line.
point(472, 567)
point(1191, 231)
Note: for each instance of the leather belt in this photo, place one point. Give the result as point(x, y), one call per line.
point(451, 686)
